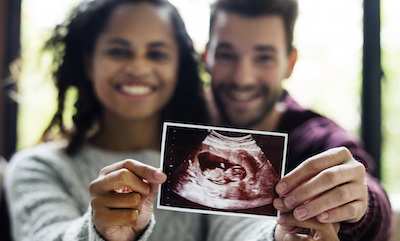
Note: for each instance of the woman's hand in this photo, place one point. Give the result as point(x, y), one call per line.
point(290, 229)
point(122, 199)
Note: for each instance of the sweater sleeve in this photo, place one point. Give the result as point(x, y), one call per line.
point(40, 208)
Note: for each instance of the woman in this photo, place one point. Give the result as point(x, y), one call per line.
point(132, 64)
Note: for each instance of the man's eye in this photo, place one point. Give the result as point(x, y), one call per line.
point(225, 56)
point(263, 58)
point(157, 55)
point(119, 53)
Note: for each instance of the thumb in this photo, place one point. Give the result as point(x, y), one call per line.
point(152, 194)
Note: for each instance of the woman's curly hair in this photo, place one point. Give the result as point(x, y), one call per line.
point(75, 39)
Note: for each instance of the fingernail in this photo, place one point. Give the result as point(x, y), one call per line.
point(281, 187)
point(279, 203)
point(324, 216)
point(290, 201)
point(301, 213)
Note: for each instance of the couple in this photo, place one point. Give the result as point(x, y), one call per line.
point(134, 67)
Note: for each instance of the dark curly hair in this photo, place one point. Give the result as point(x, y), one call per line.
point(76, 38)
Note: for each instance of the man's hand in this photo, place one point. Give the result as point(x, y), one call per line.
point(329, 186)
point(122, 199)
point(290, 229)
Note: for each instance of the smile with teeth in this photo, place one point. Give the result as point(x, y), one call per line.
point(243, 95)
point(136, 89)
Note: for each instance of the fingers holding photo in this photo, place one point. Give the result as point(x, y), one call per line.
point(122, 198)
point(330, 185)
point(347, 202)
point(149, 173)
point(311, 168)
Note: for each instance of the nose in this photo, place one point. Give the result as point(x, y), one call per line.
point(244, 73)
point(138, 67)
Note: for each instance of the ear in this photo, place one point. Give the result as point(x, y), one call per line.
point(291, 62)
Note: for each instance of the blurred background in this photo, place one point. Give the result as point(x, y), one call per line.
point(328, 77)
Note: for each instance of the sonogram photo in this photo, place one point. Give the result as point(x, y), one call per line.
point(227, 171)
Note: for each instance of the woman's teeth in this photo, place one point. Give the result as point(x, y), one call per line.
point(136, 89)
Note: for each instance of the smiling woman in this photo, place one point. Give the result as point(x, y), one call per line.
point(37, 93)
point(133, 67)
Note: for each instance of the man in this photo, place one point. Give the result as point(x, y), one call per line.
point(249, 53)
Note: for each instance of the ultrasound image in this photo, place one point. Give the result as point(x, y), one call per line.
point(226, 172)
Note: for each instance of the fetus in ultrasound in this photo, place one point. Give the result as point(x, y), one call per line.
point(226, 173)
point(218, 170)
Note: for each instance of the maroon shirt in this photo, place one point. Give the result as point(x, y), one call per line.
point(310, 134)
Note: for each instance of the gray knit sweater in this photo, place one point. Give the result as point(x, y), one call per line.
point(48, 199)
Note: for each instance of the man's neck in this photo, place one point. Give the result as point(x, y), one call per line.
point(271, 121)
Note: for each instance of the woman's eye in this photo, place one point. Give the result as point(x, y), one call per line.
point(157, 55)
point(119, 53)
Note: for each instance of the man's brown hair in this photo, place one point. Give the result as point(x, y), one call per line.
point(287, 9)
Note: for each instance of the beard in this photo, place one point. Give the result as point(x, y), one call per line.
point(242, 117)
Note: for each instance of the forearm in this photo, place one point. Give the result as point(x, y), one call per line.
point(52, 225)
point(41, 209)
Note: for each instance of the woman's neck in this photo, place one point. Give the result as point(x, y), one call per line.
point(122, 135)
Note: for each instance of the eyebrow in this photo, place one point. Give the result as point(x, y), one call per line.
point(257, 48)
point(224, 45)
point(126, 43)
point(263, 48)
point(158, 44)
point(119, 41)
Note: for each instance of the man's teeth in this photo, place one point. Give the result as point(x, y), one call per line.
point(136, 89)
point(242, 96)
